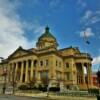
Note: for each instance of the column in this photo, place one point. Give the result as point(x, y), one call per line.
point(83, 74)
point(13, 73)
point(14, 66)
point(89, 75)
point(26, 72)
point(31, 70)
point(22, 69)
point(9, 72)
point(16, 69)
point(72, 76)
point(38, 75)
point(38, 78)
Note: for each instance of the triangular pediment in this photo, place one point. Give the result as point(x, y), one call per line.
point(19, 52)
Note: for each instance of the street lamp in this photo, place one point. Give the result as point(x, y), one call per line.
point(4, 74)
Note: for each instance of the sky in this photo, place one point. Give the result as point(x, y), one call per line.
point(23, 21)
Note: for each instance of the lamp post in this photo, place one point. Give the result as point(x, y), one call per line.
point(4, 74)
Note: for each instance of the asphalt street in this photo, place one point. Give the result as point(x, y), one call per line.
point(10, 97)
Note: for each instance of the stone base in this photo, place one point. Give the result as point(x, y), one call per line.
point(53, 83)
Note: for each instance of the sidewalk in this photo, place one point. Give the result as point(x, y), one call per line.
point(54, 97)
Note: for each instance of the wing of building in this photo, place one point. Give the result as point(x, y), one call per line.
point(47, 65)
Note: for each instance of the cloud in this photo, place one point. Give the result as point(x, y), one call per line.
point(34, 27)
point(12, 29)
point(90, 17)
point(54, 3)
point(87, 15)
point(88, 32)
point(96, 60)
point(81, 3)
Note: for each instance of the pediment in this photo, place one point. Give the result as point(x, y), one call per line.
point(19, 52)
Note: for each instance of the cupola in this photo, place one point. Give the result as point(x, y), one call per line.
point(46, 40)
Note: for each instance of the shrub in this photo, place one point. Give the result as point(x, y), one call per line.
point(94, 91)
point(42, 88)
point(23, 87)
point(54, 89)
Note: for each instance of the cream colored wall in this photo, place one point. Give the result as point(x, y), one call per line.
point(44, 67)
point(66, 52)
point(1, 72)
point(57, 69)
point(31, 57)
point(52, 58)
point(71, 70)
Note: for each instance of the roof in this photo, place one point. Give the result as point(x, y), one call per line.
point(74, 48)
point(47, 34)
point(21, 49)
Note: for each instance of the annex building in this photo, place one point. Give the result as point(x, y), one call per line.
point(46, 65)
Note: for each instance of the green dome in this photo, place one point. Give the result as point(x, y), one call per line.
point(47, 34)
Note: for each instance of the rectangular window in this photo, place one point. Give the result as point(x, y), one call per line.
point(58, 75)
point(44, 76)
point(59, 64)
point(56, 63)
point(46, 62)
point(67, 65)
point(68, 75)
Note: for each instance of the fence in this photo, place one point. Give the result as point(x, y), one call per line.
point(76, 94)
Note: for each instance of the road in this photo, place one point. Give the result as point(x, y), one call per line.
point(10, 97)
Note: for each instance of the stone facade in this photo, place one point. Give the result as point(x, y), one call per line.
point(46, 64)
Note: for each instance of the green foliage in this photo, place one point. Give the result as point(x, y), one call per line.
point(27, 87)
point(54, 89)
point(23, 87)
point(42, 88)
point(94, 91)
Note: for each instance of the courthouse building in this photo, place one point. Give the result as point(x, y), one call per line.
point(48, 65)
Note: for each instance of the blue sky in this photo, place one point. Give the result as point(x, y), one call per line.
point(23, 21)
